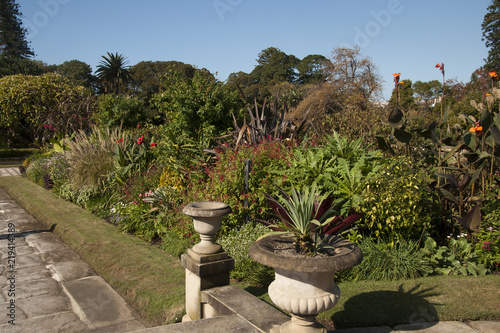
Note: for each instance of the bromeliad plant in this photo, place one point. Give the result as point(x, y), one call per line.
point(306, 216)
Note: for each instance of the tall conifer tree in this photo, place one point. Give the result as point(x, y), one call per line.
point(13, 44)
point(491, 35)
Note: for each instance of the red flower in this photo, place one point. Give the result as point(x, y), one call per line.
point(153, 145)
point(139, 125)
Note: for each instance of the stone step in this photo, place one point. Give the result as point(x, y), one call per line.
point(238, 311)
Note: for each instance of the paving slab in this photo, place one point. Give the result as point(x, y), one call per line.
point(382, 329)
point(57, 322)
point(25, 275)
point(100, 304)
point(70, 270)
point(45, 242)
point(486, 326)
point(435, 327)
point(43, 305)
point(33, 288)
point(9, 172)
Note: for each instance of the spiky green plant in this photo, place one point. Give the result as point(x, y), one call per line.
point(305, 216)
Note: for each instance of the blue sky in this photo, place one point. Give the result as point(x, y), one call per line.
point(225, 36)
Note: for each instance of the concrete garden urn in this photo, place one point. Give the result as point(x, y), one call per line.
point(207, 218)
point(304, 285)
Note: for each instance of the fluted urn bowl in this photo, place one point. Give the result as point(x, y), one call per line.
point(304, 285)
point(207, 219)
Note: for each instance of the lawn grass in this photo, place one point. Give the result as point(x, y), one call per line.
point(149, 279)
point(391, 303)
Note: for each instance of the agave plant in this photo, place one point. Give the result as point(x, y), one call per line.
point(306, 216)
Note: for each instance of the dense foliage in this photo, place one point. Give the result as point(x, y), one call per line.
point(34, 109)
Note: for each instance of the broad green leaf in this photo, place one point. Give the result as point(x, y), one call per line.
point(448, 195)
point(450, 178)
point(383, 145)
point(402, 136)
point(495, 133)
point(486, 120)
point(446, 113)
point(396, 115)
point(473, 219)
point(470, 141)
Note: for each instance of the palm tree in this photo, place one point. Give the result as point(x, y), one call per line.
point(113, 72)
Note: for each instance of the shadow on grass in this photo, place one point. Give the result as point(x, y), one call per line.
point(387, 308)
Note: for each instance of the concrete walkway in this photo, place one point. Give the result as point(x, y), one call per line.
point(46, 287)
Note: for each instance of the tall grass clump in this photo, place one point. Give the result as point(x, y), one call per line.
point(91, 156)
point(381, 261)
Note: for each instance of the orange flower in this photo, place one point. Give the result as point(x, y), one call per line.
point(440, 66)
point(493, 75)
point(402, 82)
point(478, 129)
point(396, 77)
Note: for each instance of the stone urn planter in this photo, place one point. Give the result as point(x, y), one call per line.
point(304, 285)
point(207, 218)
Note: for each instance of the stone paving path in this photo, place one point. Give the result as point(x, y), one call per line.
point(9, 172)
point(46, 287)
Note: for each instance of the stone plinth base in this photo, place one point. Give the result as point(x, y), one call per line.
point(203, 271)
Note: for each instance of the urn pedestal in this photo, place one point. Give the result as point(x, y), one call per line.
point(207, 264)
point(304, 285)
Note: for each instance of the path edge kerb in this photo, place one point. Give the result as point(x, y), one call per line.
point(93, 247)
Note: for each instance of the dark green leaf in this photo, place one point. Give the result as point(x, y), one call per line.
point(449, 141)
point(383, 145)
point(396, 115)
point(402, 136)
point(448, 195)
point(446, 113)
point(495, 133)
point(486, 120)
point(473, 219)
point(452, 179)
point(470, 141)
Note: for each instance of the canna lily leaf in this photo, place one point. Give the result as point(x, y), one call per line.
point(402, 136)
point(448, 195)
point(396, 115)
point(486, 120)
point(473, 219)
point(495, 133)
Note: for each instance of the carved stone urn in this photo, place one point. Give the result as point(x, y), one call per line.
point(207, 218)
point(304, 285)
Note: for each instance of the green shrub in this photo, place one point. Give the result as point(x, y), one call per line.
point(225, 181)
point(458, 258)
point(397, 204)
point(21, 152)
point(237, 242)
point(117, 111)
point(384, 261)
point(37, 169)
